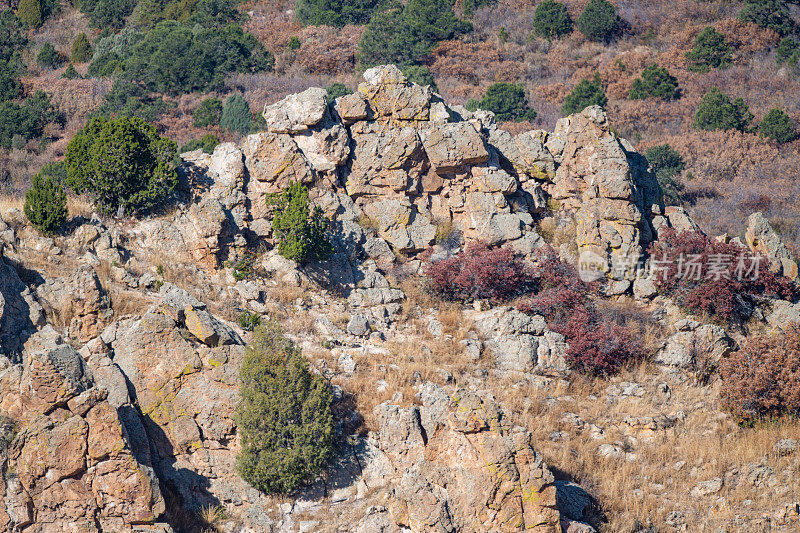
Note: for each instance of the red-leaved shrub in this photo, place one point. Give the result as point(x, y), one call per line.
point(479, 272)
point(717, 278)
point(596, 346)
point(762, 380)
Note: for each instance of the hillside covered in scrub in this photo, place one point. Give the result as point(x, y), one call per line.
point(383, 266)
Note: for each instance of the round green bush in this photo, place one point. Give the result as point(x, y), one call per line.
point(81, 49)
point(586, 93)
point(46, 204)
point(778, 126)
point(70, 73)
point(300, 231)
point(236, 115)
point(718, 112)
point(30, 13)
point(284, 415)
point(421, 75)
point(207, 143)
point(551, 20)
point(123, 164)
point(656, 82)
point(711, 50)
point(508, 102)
point(598, 21)
point(208, 113)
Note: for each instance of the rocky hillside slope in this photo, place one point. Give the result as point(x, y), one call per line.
point(121, 352)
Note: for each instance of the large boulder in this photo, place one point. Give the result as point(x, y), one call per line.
point(297, 112)
point(520, 342)
point(457, 464)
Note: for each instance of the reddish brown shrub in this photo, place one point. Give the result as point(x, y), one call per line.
point(596, 346)
point(479, 272)
point(711, 277)
point(762, 379)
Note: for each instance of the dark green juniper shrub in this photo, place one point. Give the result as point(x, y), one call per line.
point(586, 93)
point(656, 82)
point(207, 143)
point(300, 230)
point(123, 164)
point(507, 101)
point(711, 50)
point(551, 20)
point(284, 415)
point(208, 113)
point(778, 126)
point(718, 112)
point(46, 204)
point(335, 90)
point(236, 115)
point(598, 21)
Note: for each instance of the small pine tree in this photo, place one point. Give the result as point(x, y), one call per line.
point(718, 112)
point(236, 115)
point(711, 50)
point(299, 230)
point(70, 73)
point(665, 164)
point(771, 14)
point(208, 113)
point(598, 21)
point(30, 13)
point(508, 102)
point(778, 126)
point(586, 93)
point(46, 204)
point(551, 20)
point(336, 90)
point(81, 49)
point(284, 415)
point(48, 57)
point(656, 82)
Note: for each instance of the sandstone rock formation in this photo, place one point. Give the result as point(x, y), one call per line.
point(70, 464)
point(458, 465)
point(395, 158)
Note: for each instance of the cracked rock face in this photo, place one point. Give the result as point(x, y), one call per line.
point(458, 465)
point(410, 164)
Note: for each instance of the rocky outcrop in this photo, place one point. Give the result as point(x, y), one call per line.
point(70, 465)
point(458, 465)
point(395, 156)
point(762, 239)
point(605, 183)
